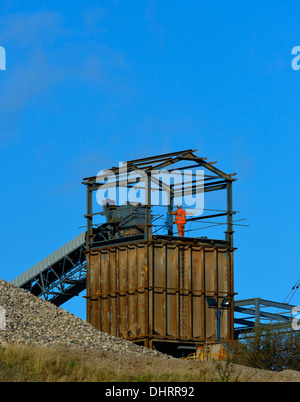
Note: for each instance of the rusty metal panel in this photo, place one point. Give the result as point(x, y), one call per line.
point(159, 283)
point(104, 279)
point(172, 299)
point(223, 286)
point(198, 296)
point(142, 291)
point(113, 285)
point(210, 277)
point(156, 290)
point(132, 294)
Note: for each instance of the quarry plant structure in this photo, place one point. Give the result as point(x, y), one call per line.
point(145, 282)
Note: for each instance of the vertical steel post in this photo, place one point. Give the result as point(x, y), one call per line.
point(257, 312)
point(229, 239)
point(148, 229)
point(229, 232)
point(170, 209)
point(218, 324)
point(89, 216)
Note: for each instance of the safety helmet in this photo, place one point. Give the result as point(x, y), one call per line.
point(179, 206)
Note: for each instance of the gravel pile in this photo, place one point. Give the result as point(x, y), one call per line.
point(35, 322)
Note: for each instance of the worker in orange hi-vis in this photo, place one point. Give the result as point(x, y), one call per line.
point(180, 219)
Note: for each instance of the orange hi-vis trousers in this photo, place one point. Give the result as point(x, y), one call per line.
point(180, 228)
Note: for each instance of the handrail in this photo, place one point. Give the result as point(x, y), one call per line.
point(194, 356)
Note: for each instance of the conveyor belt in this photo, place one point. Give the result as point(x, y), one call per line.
point(58, 277)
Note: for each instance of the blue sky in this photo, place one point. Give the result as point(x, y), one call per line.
point(93, 83)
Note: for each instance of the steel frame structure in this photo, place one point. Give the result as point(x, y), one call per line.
point(59, 278)
point(214, 181)
point(60, 286)
point(62, 275)
point(255, 314)
point(141, 175)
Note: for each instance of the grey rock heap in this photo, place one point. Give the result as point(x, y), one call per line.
point(33, 321)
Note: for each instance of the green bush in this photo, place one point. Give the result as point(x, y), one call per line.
point(267, 348)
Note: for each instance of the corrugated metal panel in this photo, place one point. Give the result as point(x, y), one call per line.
point(53, 258)
point(157, 291)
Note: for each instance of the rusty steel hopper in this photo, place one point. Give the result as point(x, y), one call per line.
point(155, 292)
point(126, 220)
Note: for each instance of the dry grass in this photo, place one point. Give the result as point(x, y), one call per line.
point(22, 363)
point(37, 364)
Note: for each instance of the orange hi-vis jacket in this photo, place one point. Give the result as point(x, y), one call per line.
point(180, 217)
